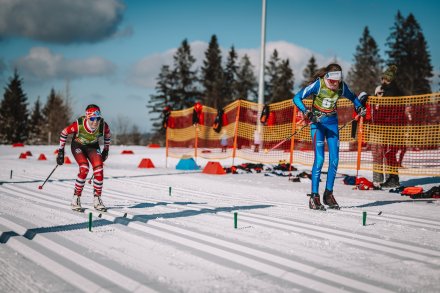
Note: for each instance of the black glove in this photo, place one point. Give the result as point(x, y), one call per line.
point(104, 154)
point(361, 111)
point(60, 157)
point(312, 117)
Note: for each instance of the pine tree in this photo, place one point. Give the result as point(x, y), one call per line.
point(309, 71)
point(231, 68)
point(280, 79)
point(213, 79)
point(246, 86)
point(165, 89)
point(185, 93)
point(13, 112)
point(408, 50)
point(272, 74)
point(55, 116)
point(36, 124)
point(283, 89)
point(365, 73)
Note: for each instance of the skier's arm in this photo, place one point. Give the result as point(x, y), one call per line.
point(107, 136)
point(312, 88)
point(346, 92)
point(72, 128)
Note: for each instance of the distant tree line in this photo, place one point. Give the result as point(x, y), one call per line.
point(218, 83)
point(42, 124)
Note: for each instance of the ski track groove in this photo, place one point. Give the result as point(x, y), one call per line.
point(349, 235)
point(390, 217)
point(20, 246)
point(72, 256)
point(275, 271)
point(168, 227)
point(346, 236)
point(413, 221)
point(242, 260)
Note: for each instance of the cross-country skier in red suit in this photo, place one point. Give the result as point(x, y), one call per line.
point(86, 132)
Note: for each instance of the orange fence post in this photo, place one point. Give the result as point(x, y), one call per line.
point(359, 150)
point(292, 141)
point(166, 147)
point(237, 118)
point(196, 141)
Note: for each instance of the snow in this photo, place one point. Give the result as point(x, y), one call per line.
point(154, 240)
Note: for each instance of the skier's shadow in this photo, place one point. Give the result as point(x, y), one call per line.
point(387, 202)
point(31, 233)
point(190, 213)
point(161, 203)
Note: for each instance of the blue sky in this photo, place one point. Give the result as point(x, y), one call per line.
point(111, 51)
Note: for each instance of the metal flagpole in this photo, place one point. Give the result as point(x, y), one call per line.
point(262, 57)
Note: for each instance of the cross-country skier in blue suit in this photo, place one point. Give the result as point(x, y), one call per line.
point(325, 90)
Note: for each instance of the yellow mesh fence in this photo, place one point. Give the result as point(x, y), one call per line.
point(399, 135)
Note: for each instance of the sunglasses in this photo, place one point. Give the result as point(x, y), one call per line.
point(94, 118)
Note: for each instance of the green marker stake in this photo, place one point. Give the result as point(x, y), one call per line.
point(90, 222)
point(364, 218)
point(11, 175)
point(235, 220)
point(169, 191)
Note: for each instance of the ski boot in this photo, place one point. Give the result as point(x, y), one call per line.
point(98, 204)
point(330, 200)
point(315, 203)
point(76, 203)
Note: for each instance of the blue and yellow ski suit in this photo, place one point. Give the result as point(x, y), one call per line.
point(324, 103)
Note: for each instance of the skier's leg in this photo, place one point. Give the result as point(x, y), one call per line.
point(81, 158)
point(317, 134)
point(95, 159)
point(332, 135)
point(94, 155)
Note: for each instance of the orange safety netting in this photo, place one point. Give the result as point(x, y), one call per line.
point(399, 135)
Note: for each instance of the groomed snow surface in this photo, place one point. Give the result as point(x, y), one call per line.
point(153, 239)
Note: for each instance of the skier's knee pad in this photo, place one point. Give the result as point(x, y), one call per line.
point(98, 173)
point(83, 171)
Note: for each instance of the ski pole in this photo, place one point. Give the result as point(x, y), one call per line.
point(348, 122)
point(287, 138)
point(91, 178)
point(41, 186)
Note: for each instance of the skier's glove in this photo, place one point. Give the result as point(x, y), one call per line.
point(312, 117)
point(361, 111)
point(60, 157)
point(104, 154)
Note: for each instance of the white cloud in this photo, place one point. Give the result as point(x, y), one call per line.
point(42, 64)
point(145, 72)
point(60, 21)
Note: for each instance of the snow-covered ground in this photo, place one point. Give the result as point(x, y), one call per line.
point(183, 239)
